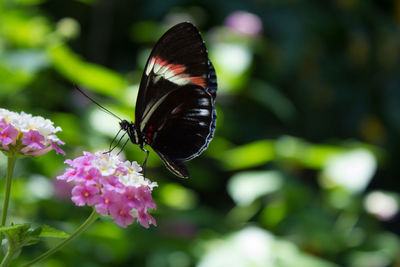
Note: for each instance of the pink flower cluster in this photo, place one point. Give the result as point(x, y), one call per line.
point(244, 23)
point(29, 135)
point(113, 187)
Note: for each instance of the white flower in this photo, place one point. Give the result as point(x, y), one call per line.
point(25, 122)
point(128, 173)
point(136, 179)
point(27, 134)
point(132, 166)
point(107, 164)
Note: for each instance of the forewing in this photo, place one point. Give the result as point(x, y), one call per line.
point(180, 57)
point(174, 109)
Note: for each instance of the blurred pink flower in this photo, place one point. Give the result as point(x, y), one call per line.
point(24, 134)
point(62, 189)
point(244, 23)
point(113, 187)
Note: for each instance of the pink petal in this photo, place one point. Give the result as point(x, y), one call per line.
point(56, 148)
point(144, 195)
point(130, 197)
point(68, 176)
point(107, 199)
point(3, 123)
point(144, 218)
point(121, 214)
point(85, 194)
point(8, 135)
point(33, 139)
point(37, 152)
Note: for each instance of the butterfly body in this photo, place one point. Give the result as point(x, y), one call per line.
point(175, 111)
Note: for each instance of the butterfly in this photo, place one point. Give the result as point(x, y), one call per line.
point(175, 113)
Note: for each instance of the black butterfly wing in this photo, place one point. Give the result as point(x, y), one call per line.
point(181, 127)
point(174, 109)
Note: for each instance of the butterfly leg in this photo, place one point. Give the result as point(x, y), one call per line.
point(115, 137)
point(119, 141)
point(123, 146)
point(145, 160)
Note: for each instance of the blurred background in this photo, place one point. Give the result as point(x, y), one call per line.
point(302, 170)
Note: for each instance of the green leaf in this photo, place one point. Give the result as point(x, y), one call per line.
point(249, 155)
point(48, 231)
point(309, 155)
point(245, 187)
point(20, 235)
point(22, 29)
point(98, 78)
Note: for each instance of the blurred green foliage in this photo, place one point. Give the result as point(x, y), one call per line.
point(302, 170)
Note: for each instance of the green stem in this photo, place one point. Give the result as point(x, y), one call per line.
point(10, 170)
point(91, 219)
point(8, 258)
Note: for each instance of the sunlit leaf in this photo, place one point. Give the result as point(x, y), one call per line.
point(250, 155)
point(352, 170)
point(245, 187)
point(232, 62)
point(68, 28)
point(29, 2)
point(309, 155)
point(24, 30)
point(384, 205)
point(256, 247)
point(274, 212)
point(316, 156)
point(13, 80)
point(242, 214)
point(176, 196)
point(48, 231)
point(96, 77)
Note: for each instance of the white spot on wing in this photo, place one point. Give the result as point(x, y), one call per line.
point(199, 112)
point(170, 72)
point(156, 79)
point(203, 102)
point(150, 66)
point(156, 68)
point(179, 80)
point(150, 110)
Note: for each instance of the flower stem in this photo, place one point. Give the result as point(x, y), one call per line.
point(10, 169)
point(8, 258)
point(91, 219)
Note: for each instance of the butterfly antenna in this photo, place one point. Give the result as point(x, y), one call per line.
point(91, 99)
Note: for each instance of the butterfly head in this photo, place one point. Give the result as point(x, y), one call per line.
point(130, 129)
